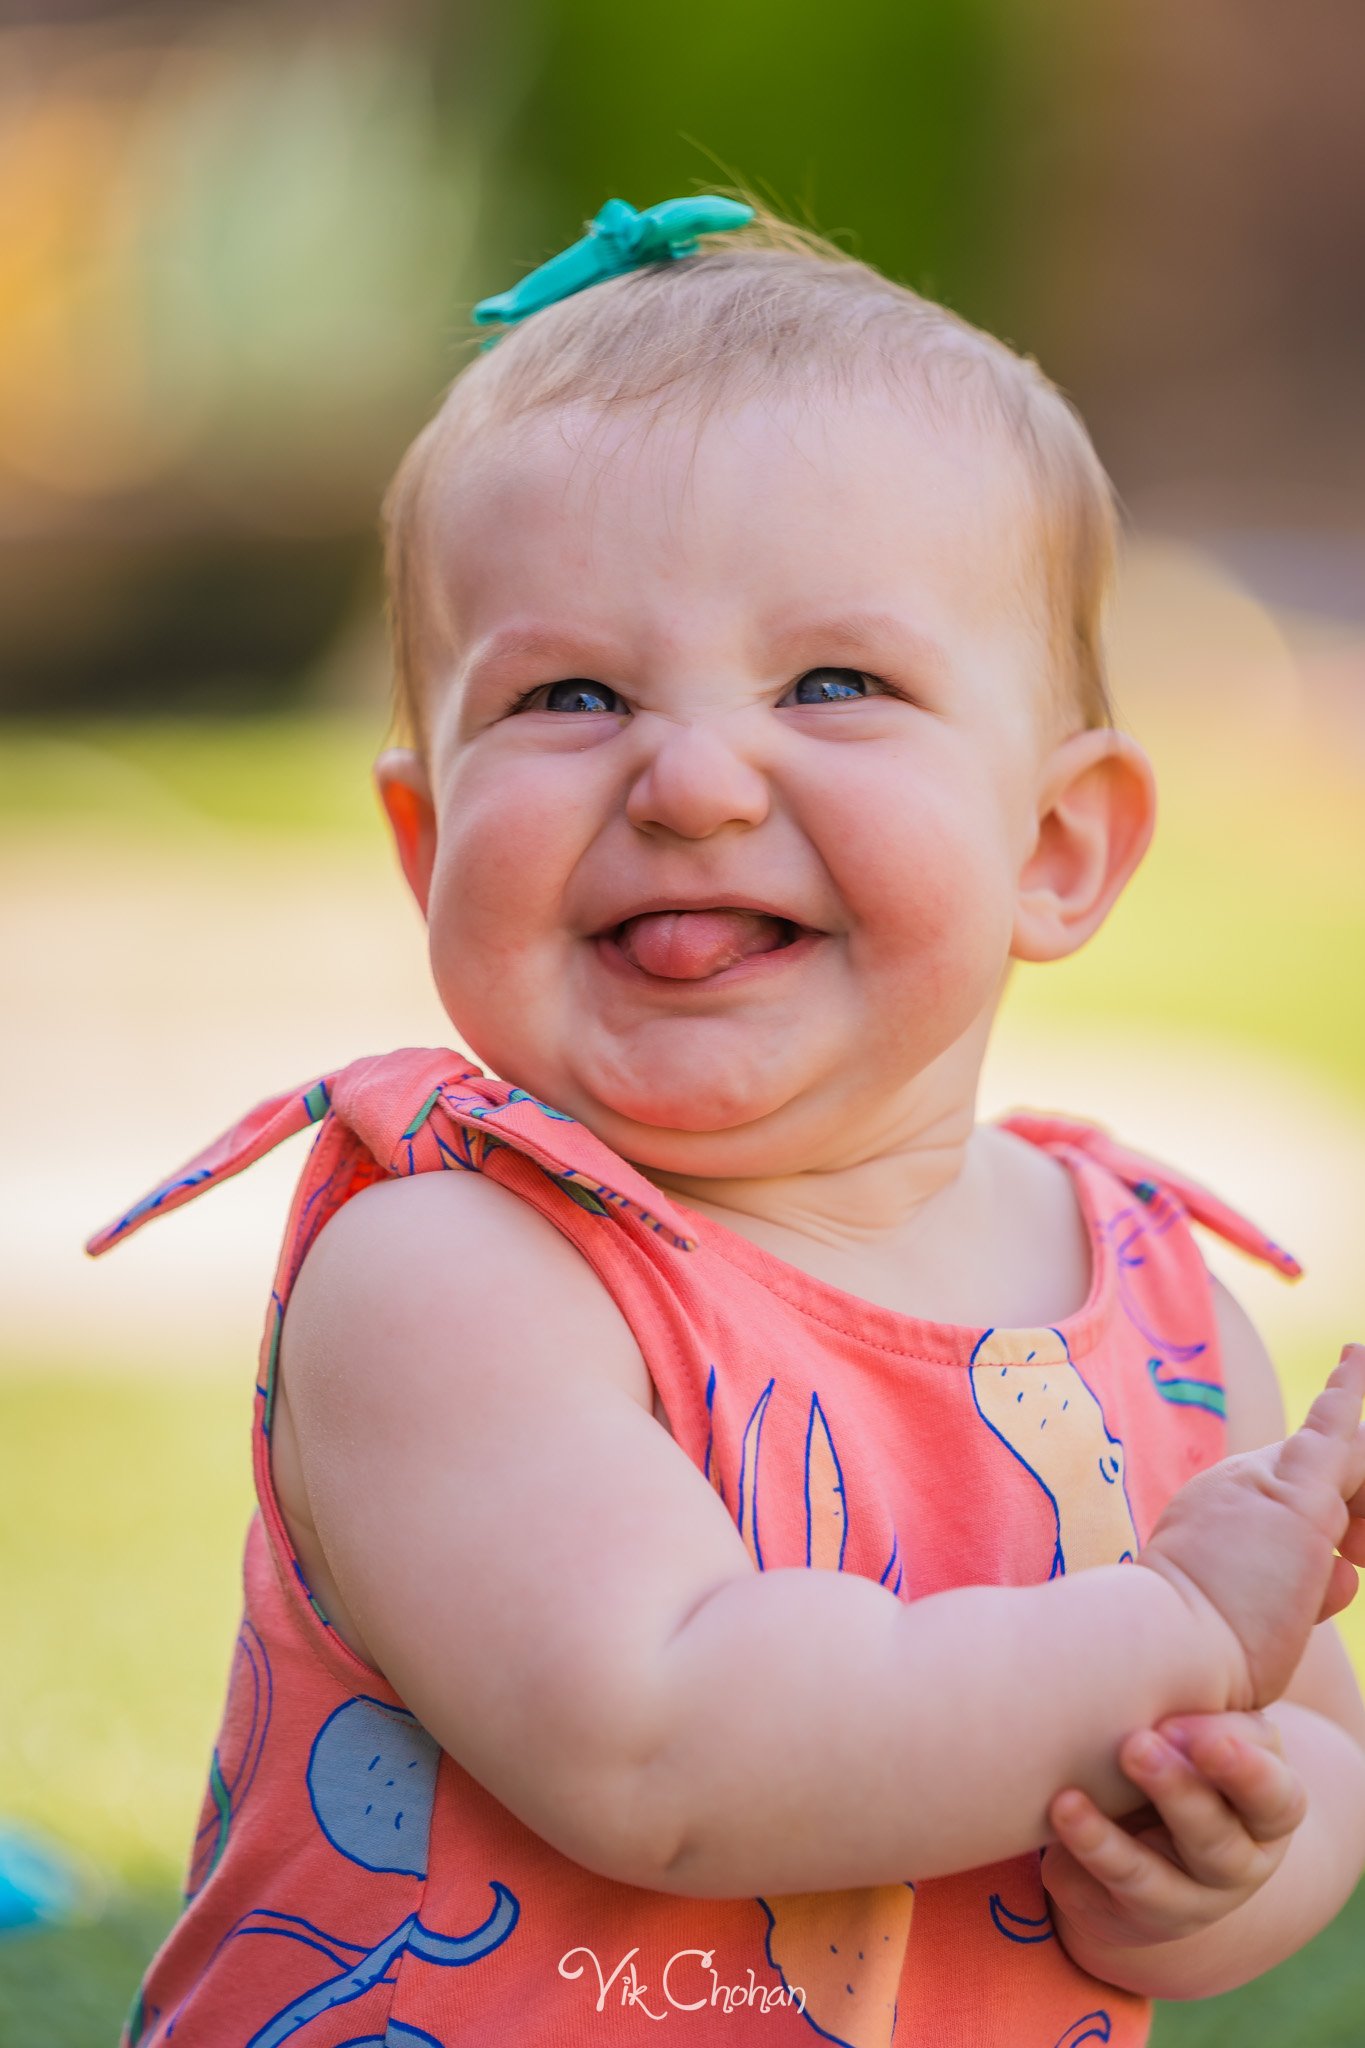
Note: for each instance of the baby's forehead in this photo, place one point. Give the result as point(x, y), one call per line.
point(806, 491)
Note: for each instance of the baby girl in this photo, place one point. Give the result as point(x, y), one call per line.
point(796, 1561)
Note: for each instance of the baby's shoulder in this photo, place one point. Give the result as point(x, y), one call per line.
point(461, 1233)
point(460, 1253)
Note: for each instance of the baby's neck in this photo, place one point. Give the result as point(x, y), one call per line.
point(861, 1209)
point(967, 1225)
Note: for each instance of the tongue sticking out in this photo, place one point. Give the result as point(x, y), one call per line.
point(689, 945)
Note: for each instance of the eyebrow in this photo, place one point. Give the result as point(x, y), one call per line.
point(842, 633)
point(544, 645)
point(853, 632)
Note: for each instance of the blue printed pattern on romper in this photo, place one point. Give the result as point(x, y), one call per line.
point(1126, 1230)
point(372, 1786)
point(236, 1756)
point(746, 1515)
point(1021, 1927)
point(1094, 2026)
point(839, 1954)
point(1029, 1393)
point(826, 1506)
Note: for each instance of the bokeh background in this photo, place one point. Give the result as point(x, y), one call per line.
point(238, 245)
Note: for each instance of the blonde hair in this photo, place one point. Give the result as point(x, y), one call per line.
point(762, 310)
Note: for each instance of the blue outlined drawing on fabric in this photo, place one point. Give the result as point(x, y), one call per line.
point(584, 1197)
point(237, 1755)
point(1029, 1394)
point(479, 1106)
point(359, 1969)
point(140, 2017)
point(746, 1513)
point(1093, 2026)
point(395, 2035)
point(372, 1784)
point(560, 1116)
point(826, 1501)
point(1125, 1230)
point(158, 1195)
point(841, 1954)
point(710, 1464)
point(1019, 1926)
point(1187, 1393)
point(893, 1563)
point(272, 1363)
point(372, 1967)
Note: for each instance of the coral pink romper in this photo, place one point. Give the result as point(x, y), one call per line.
point(351, 1884)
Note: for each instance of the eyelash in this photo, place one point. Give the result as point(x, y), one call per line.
point(522, 702)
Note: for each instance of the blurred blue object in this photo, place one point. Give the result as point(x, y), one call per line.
point(38, 1881)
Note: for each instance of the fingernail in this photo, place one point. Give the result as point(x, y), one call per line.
point(1148, 1752)
point(1177, 1734)
point(1069, 1806)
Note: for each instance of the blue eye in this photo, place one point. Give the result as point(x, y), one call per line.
point(836, 685)
point(580, 695)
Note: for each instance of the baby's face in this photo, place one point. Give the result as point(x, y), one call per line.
point(785, 661)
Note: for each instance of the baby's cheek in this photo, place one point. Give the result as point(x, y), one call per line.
point(946, 910)
point(473, 920)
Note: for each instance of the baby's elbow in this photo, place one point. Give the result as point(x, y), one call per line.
point(581, 1763)
point(614, 1822)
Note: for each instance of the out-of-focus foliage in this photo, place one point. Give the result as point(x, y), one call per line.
point(232, 243)
point(239, 241)
point(892, 128)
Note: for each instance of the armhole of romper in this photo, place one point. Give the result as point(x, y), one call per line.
point(611, 1242)
point(1153, 1230)
point(334, 1149)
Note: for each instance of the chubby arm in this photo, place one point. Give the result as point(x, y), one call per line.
point(555, 1590)
point(1319, 1729)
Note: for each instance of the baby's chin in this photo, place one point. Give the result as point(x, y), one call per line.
point(697, 1117)
point(707, 1129)
point(678, 1131)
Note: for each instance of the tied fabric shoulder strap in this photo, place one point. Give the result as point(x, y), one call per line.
point(417, 1111)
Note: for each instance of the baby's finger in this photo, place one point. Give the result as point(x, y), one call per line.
point(1328, 1450)
point(1134, 1874)
point(1337, 1409)
point(1266, 1794)
point(1342, 1587)
point(1260, 1729)
point(1210, 1839)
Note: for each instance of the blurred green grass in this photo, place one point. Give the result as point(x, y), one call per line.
point(297, 774)
point(123, 1509)
point(123, 1502)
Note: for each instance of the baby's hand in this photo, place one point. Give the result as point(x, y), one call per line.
point(1223, 1805)
point(1268, 1541)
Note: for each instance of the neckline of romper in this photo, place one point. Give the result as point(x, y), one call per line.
point(919, 1337)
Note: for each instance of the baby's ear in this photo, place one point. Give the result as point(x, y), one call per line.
point(405, 792)
point(1096, 814)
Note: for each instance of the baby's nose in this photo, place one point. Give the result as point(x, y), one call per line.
point(696, 779)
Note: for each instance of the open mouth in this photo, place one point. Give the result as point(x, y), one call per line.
point(696, 945)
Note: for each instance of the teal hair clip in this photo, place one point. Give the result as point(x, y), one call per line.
point(618, 240)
